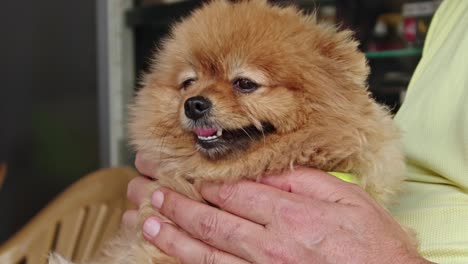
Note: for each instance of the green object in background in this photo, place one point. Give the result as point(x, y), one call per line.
point(394, 53)
point(343, 176)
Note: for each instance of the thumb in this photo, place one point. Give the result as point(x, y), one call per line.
point(145, 167)
point(312, 183)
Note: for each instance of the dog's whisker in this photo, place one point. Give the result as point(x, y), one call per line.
point(247, 133)
point(263, 135)
point(163, 141)
point(152, 132)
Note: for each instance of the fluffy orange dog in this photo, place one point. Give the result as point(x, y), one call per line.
point(243, 89)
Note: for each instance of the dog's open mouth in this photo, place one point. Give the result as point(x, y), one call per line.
point(208, 134)
point(216, 141)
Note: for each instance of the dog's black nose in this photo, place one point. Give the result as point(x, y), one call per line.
point(196, 107)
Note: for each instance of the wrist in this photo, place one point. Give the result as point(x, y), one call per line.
point(419, 260)
point(407, 255)
point(413, 259)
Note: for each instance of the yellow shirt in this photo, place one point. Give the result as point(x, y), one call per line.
point(434, 119)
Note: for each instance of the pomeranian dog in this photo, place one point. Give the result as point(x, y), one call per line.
point(241, 89)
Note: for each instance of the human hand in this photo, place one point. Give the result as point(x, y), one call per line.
point(305, 216)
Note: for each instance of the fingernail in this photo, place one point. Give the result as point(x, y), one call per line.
point(157, 199)
point(151, 227)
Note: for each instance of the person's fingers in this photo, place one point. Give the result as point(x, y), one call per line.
point(218, 228)
point(249, 200)
point(314, 184)
point(138, 190)
point(145, 167)
point(185, 248)
point(130, 218)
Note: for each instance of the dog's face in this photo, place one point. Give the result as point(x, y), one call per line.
point(220, 111)
point(236, 76)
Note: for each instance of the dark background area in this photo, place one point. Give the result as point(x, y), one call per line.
point(48, 102)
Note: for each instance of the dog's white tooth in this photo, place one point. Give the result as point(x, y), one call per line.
point(209, 137)
point(219, 132)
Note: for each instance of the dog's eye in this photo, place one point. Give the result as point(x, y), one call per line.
point(185, 84)
point(245, 85)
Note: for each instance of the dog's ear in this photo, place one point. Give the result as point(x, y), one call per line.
point(342, 52)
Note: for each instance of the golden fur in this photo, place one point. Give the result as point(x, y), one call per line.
point(312, 90)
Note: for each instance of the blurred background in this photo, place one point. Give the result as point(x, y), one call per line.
point(69, 68)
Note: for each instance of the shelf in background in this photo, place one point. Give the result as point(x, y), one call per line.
point(162, 15)
point(408, 52)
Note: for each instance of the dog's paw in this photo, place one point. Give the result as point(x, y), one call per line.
point(57, 259)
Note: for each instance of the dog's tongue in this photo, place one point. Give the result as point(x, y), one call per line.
point(205, 132)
